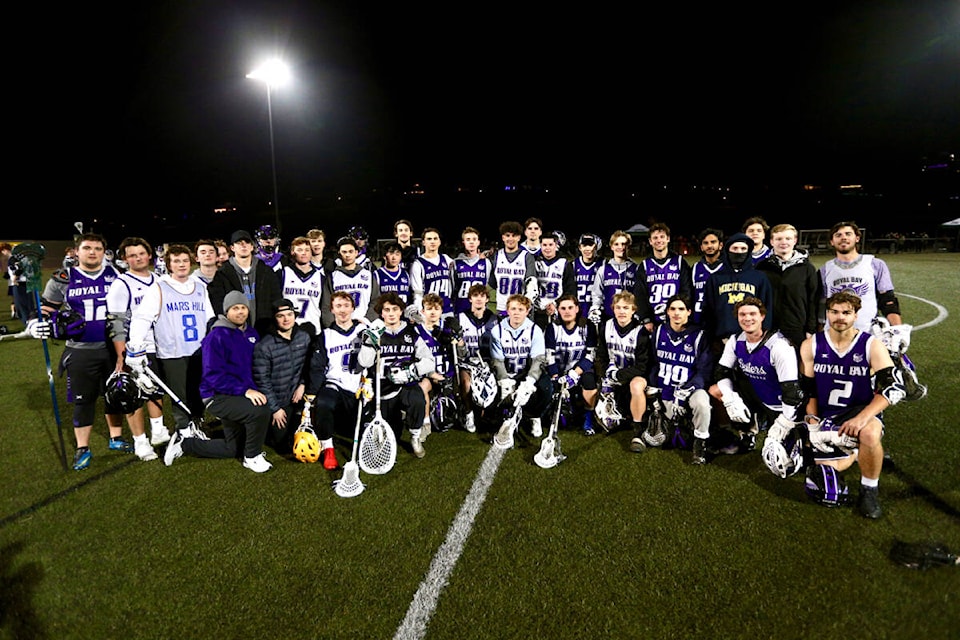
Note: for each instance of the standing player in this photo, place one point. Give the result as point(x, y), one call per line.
point(571, 346)
point(756, 229)
point(470, 267)
point(514, 268)
point(532, 231)
point(585, 269)
point(403, 232)
point(301, 282)
point(711, 245)
point(432, 272)
point(351, 278)
point(617, 273)
point(842, 366)
point(864, 274)
point(393, 276)
point(87, 358)
point(123, 298)
point(360, 239)
point(268, 246)
point(318, 245)
point(662, 275)
point(174, 314)
point(555, 276)
point(246, 273)
point(205, 252)
point(796, 286)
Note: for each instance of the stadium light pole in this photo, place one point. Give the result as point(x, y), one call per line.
point(272, 73)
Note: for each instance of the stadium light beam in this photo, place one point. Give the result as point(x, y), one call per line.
point(273, 73)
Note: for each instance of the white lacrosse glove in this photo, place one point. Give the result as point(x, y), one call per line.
point(39, 329)
point(899, 338)
point(570, 380)
point(370, 336)
point(147, 384)
point(681, 394)
point(779, 429)
point(403, 375)
point(594, 315)
point(412, 314)
point(524, 392)
point(136, 357)
point(507, 385)
point(736, 407)
point(608, 385)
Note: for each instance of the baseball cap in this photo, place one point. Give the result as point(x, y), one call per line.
point(283, 305)
point(588, 239)
point(241, 235)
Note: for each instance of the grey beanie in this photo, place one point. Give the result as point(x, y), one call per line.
point(235, 298)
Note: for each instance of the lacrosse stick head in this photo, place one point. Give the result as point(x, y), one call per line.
point(29, 256)
point(483, 385)
point(658, 426)
point(607, 412)
point(378, 447)
point(503, 439)
point(306, 445)
point(349, 485)
point(545, 458)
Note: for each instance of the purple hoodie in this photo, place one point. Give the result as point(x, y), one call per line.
point(227, 359)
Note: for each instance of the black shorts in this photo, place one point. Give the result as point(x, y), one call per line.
point(87, 372)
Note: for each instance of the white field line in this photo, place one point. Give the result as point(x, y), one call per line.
point(414, 624)
point(942, 312)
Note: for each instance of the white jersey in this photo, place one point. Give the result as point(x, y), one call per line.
point(550, 280)
point(181, 325)
point(517, 347)
point(865, 276)
point(508, 276)
point(124, 295)
point(341, 346)
point(358, 284)
point(622, 349)
point(304, 291)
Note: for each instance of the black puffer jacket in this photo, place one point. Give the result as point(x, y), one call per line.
point(280, 365)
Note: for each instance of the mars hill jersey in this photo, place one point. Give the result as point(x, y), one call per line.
point(182, 323)
point(304, 290)
point(585, 274)
point(843, 380)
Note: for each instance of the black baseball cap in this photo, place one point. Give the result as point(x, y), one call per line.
point(241, 235)
point(283, 305)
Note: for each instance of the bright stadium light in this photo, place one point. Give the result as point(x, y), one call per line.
point(273, 73)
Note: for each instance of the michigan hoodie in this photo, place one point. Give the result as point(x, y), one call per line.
point(736, 281)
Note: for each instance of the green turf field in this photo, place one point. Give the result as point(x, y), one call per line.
point(467, 543)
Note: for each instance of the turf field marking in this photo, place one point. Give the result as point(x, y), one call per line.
point(942, 312)
point(414, 625)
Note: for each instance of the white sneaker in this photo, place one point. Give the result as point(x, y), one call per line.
point(193, 431)
point(141, 447)
point(174, 449)
point(257, 464)
point(418, 449)
point(468, 422)
point(535, 429)
point(159, 436)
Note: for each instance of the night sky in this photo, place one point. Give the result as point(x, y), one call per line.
point(148, 111)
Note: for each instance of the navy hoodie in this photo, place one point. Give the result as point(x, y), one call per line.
point(730, 285)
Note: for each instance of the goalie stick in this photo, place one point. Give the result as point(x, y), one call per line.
point(922, 555)
point(549, 455)
point(378, 446)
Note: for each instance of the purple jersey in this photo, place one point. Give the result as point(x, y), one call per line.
point(766, 365)
point(843, 381)
point(616, 281)
point(87, 295)
point(663, 281)
point(584, 274)
point(676, 356)
point(397, 282)
point(465, 275)
point(444, 366)
point(701, 273)
point(436, 279)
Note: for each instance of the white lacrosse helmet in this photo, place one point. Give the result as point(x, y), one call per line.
point(784, 458)
point(607, 411)
point(483, 385)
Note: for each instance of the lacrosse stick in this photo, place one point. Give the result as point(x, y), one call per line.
point(549, 455)
point(147, 371)
point(503, 439)
point(922, 555)
point(30, 257)
point(15, 336)
point(378, 446)
point(349, 484)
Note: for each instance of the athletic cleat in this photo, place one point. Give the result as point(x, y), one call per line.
point(748, 442)
point(257, 464)
point(468, 422)
point(699, 451)
point(195, 432)
point(330, 459)
point(119, 444)
point(588, 424)
point(143, 450)
point(160, 436)
point(588, 432)
point(637, 445)
point(536, 429)
point(869, 502)
point(417, 444)
point(174, 449)
point(81, 459)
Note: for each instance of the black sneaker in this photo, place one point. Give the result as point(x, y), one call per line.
point(869, 503)
point(699, 451)
point(748, 442)
point(637, 445)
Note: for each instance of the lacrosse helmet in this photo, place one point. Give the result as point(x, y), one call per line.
point(306, 446)
point(122, 392)
point(784, 458)
point(561, 238)
point(483, 385)
point(265, 233)
point(443, 413)
point(826, 486)
point(67, 323)
point(357, 233)
point(607, 411)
